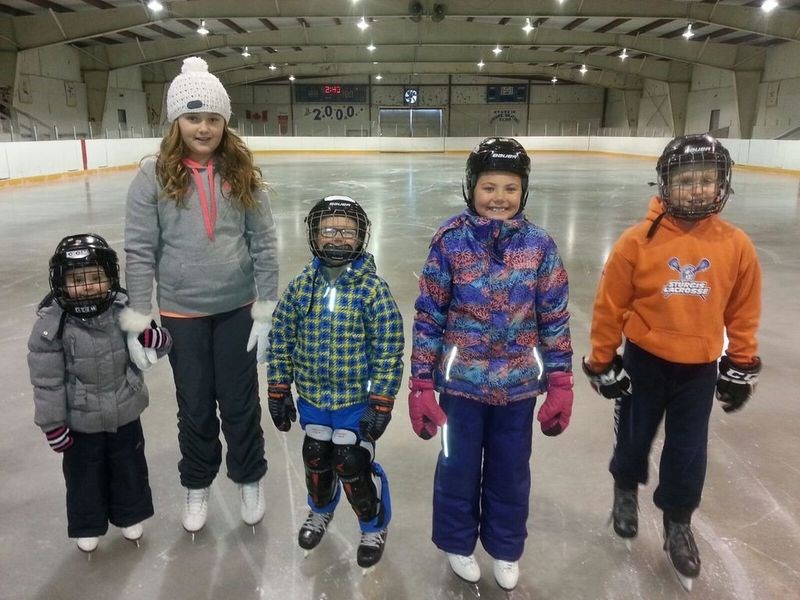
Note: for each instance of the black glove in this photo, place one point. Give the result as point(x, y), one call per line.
point(281, 405)
point(736, 383)
point(60, 438)
point(612, 383)
point(376, 417)
point(155, 337)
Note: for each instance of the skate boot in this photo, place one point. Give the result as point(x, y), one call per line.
point(88, 544)
point(133, 532)
point(506, 574)
point(370, 549)
point(681, 551)
point(195, 510)
point(313, 529)
point(625, 513)
point(253, 505)
point(466, 567)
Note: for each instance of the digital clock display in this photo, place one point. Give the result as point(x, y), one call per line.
point(330, 92)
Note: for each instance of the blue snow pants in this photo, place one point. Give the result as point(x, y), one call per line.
point(483, 479)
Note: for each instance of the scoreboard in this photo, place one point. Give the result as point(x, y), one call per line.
point(330, 92)
point(506, 93)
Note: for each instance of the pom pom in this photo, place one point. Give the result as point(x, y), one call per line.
point(194, 64)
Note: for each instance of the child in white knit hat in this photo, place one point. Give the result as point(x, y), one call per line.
point(198, 222)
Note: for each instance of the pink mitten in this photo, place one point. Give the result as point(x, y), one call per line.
point(554, 414)
point(426, 415)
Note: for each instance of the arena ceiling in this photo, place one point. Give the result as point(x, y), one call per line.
point(611, 43)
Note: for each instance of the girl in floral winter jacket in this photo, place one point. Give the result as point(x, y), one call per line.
point(491, 332)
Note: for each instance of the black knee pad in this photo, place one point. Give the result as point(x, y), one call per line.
point(321, 480)
point(354, 468)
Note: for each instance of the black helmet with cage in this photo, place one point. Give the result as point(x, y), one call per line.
point(696, 157)
point(329, 241)
point(496, 154)
point(84, 275)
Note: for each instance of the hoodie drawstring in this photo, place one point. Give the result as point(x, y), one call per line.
point(209, 208)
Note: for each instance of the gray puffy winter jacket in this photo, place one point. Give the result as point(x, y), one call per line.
point(81, 373)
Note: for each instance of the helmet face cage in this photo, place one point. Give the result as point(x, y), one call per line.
point(340, 245)
point(694, 177)
point(84, 275)
point(496, 154)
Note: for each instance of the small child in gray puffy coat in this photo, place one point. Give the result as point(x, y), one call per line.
point(88, 394)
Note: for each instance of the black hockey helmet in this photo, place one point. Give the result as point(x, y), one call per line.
point(694, 153)
point(345, 245)
point(77, 292)
point(496, 154)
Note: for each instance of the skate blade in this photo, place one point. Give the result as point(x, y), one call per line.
point(367, 570)
point(307, 553)
point(686, 582)
point(627, 541)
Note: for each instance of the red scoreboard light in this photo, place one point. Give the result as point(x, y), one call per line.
point(330, 92)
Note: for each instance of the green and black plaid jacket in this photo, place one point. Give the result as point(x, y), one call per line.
point(337, 342)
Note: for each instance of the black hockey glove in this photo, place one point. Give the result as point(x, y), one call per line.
point(281, 405)
point(376, 417)
point(736, 383)
point(612, 383)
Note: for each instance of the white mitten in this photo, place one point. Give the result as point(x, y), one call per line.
point(142, 357)
point(262, 323)
point(134, 323)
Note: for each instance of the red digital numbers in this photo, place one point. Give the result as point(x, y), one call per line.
point(333, 90)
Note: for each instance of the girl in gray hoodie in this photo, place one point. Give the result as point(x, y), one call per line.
point(198, 223)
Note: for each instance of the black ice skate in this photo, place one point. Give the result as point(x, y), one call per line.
point(682, 551)
point(625, 513)
point(313, 529)
point(370, 549)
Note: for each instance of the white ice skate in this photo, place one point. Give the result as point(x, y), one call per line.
point(195, 510)
point(506, 574)
point(253, 503)
point(88, 544)
point(466, 567)
point(133, 533)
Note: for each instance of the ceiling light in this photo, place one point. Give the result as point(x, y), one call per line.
point(155, 6)
point(688, 33)
point(245, 53)
point(624, 54)
point(272, 67)
point(202, 29)
point(371, 48)
point(481, 64)
point(583, 69)
point(291, 77)
point(527, 28)
point(379, 77)
point(497, 50)
point(362, 24)
point(554, 79)
point(769, 5)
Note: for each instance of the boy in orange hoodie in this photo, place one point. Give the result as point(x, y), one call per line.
point(672, 285)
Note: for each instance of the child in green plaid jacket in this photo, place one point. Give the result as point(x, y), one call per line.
point(337, 334)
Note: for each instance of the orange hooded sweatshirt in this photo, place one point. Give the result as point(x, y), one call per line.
point(675, 294)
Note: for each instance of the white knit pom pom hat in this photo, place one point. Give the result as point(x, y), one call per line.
point(196, 90)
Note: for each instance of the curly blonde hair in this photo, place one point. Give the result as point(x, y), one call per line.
point(232, 159)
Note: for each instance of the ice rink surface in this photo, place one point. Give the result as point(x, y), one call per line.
point(747, 528)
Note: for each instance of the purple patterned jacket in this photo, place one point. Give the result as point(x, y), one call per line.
point(491, 317)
